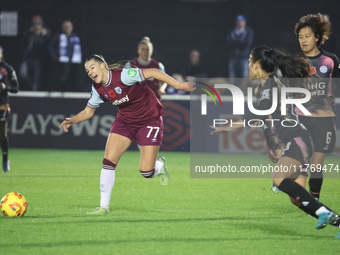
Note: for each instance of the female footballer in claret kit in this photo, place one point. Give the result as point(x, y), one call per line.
point(144, 60)
point(139, 117)
point(264, 62)
point(312, 31)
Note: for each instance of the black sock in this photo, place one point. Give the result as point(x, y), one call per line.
point(4, 149)
point(297, 192)
point(308, 211)
point(315, 186)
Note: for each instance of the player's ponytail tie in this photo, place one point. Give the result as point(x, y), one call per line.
point(274, 54)
point(271, 54)
point(277, 57)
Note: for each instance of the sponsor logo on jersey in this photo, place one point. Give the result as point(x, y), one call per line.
point(120, 101)
point(312, 70)
point(118, 90)
point(265, 94)
point(323, 69)
point(132, 72)
point(111, 93)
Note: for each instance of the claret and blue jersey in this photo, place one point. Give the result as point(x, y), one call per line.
point(152, 83)
point(125, 88)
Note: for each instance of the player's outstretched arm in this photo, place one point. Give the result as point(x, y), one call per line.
point(222, 129)
point(159, 75)
point(85, 114)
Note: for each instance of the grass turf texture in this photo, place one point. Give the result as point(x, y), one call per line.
point(190, 216)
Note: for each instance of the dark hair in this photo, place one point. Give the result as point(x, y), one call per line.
point(320, 25)
point(291, 66)
point(100, 59)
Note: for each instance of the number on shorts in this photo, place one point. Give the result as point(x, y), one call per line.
point(150, 131)
point(328, 137)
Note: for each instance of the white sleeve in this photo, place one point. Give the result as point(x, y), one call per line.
point(127, 65)
point(95, 100)
point(161, 67)
point(130, 76)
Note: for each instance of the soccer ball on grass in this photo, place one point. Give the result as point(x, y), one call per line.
point(13, 204)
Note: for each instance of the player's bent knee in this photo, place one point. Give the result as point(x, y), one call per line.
point(148, 174)
point(277, 181)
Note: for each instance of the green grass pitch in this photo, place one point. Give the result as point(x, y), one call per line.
point(189, 216)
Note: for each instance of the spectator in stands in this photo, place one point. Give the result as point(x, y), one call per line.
point(239, 42)
point(66, 53)
point(192, 70)
point(34, 46)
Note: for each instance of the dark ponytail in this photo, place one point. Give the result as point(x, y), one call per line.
point(291, 66)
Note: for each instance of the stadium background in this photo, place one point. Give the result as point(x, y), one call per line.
point(113, 29)
point(190, 215)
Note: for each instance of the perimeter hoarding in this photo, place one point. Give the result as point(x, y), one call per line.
point(36, 117)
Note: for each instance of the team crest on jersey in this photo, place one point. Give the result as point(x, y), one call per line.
point(118, 90)
point(265, 94)
point(132, 72)
point(312, 70)
point(323, 69)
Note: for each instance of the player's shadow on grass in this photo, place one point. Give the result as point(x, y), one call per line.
point(143, 241)
point(43, 216)
point(278, 232)
point(106, 218)
point(116, 242)
point(168, 220)
point(52, 176)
